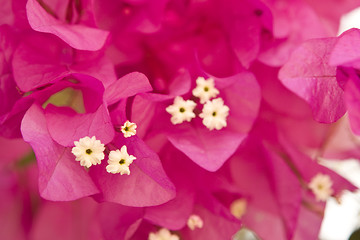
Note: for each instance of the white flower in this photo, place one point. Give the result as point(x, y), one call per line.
point(195, 221)
point(88, 151)
point(214, 114)
point(119, 161)
point(181, 110)
point(321, 185)
point(205, 89)
point(238, 208)
point(128, 129)
point(163, 234)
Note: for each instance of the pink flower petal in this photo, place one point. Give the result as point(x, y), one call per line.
point(331, 11)
point(66, 220)
point(56, 61)
point(208, 149)
point(253, 179)
point(95, 64)
point(10, 122)
point(345, 52)
point(245, 34)
point(217, 56)
point(144, 16)
point(9, 95)
point(77, 36)
point(6, 15)
point(47, 64)
point(8, 43)
point(96, 124)
point(287, 191)
point(119, 222)
point(352, 98)
point(147, 184)
point(173, 214)
point(294, 23)
point(13, 149)
point(242, 94)
point(14, 206)
point(127, 86)
point(61, 178)
point(308, 168)
point(218, 223)
point(308, 75)
point(308, 225)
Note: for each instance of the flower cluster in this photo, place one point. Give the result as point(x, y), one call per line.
point(214, 112)
point(90, 151)
point(174, 119)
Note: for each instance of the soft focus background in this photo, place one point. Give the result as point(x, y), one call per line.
point(341, 219)
point(342, 216)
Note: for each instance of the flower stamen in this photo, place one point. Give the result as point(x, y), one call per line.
point(194, 222)
point(321, 186)
point(88, 151)
point(181, 110)
point(214, 114)
point(119, 161)
point(129, 129)
point(163, 234)
point(205, 89)
point(238, 208)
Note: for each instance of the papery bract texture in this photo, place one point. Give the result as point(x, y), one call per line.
point(78, 36)
point(345, 53)
point(56, 61)
point(147, 185)
point(61, 178)
point(174, 119)
point(294, 23)
point(309, 75)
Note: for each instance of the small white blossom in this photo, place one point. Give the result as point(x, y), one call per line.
point(88, 151)
point(181, 110)
point(163, 234)
point(238, 208)
point(214, 114)
point(321, 185)
point(119, 161)
point(195, 221)
point(205, 89)
point(128, 129)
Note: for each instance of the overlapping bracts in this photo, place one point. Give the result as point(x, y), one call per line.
point(173, 119)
